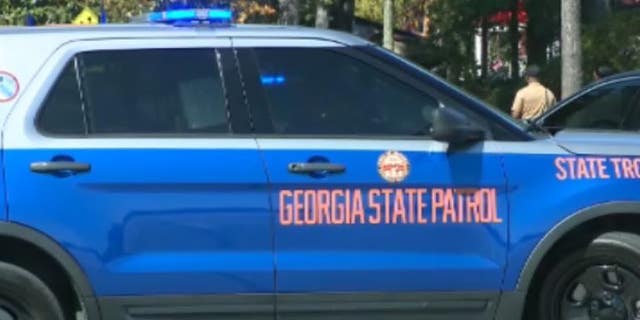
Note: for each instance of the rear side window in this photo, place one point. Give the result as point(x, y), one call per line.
point(314, 91)
point(163, 91)
point(62, 113)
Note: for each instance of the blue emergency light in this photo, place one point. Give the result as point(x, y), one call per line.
point(272, 80)
point(182, 12)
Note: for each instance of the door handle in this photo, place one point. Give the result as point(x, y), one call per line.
point(315, 167)
point(59, 167)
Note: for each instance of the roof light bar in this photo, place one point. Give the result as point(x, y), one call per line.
point(190, 15)
point(182, 12)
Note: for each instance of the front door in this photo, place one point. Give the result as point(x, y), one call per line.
point(365, 202)
point(126, 155)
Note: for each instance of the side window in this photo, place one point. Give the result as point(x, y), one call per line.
point(323, 92)
point(61, 113)
point(164, 91)
point(138, 92)
point(632, 122)
point(603, 108)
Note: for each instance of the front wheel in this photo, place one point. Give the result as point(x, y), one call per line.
point(23, 296)
point(598, 282)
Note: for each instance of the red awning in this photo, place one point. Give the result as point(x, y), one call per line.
point(504, 17)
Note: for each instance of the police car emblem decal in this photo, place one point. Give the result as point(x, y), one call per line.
point(9, 86)
point(393, 166)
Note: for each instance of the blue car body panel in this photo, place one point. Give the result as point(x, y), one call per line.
point(544, 192)
point(393, 255)
point(4, 212)
point(154, 221)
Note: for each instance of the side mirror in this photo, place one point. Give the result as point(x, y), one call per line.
point(455, 127)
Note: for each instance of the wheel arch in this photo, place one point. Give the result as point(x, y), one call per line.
point(55, 252)
point(512, 304)
point(564, 227)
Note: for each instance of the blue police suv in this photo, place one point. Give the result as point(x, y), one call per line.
point(188, 168)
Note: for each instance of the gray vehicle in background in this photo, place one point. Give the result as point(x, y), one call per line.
point(610, 104)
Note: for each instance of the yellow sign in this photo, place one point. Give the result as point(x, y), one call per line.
point(87, 16)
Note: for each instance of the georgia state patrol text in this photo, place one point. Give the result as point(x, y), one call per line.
point(300, 207)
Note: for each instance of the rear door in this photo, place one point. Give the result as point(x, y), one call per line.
point(365, 202)
point(134, 156)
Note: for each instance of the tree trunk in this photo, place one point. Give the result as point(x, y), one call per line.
point(536, 47)
point(344, 10)
point(348, 9)
point(571, 50)
point(484, 55)
point(607, 6)
point(322, 15)
point(537, 41)
point(387, 32)
point(289, 12)
point(514, 32)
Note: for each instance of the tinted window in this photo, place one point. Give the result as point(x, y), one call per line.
point(62, 109)
point(607, 107)
point(154, 91)
point(632, 121)
point(320, 91)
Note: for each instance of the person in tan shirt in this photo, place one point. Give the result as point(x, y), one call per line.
point(534, 99)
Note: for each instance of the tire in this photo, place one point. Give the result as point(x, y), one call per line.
point(24, 296)
point(598, 281)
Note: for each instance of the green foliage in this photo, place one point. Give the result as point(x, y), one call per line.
point(124, 10)
point(614, 41)
point(498, 92)
point(407, 12)
point(544, 18)
point(249, 11)
point(308, 12)
point(369, 9)
point(13, 12)
point(454, 25)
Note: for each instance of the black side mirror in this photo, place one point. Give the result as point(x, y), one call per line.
point(455, 127)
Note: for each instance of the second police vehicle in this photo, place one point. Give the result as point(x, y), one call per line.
point(189, 168)
point(611, 104)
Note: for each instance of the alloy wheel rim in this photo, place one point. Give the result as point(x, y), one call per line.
point(601, 292)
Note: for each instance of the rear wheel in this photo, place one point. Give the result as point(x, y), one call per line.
point(25, 297)
point(598, 282)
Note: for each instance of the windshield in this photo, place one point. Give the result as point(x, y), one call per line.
point(611, 106)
